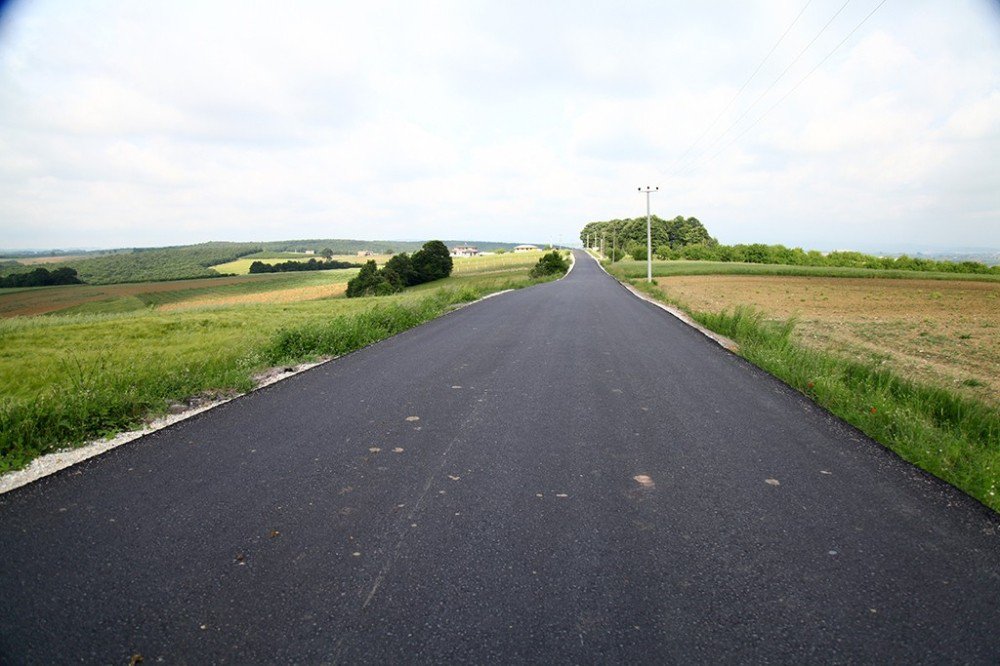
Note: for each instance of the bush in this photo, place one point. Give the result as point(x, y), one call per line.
point(616, 254)
point(41, 277)
point(432, 262)
point(551, 263)
point(370, 282)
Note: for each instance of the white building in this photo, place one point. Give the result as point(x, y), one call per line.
point(525, 248)
point(464, 251)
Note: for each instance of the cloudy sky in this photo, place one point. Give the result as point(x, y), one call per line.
point(129, 123)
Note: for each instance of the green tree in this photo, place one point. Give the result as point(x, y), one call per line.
point(402, 265)
point(366, 282)
point(326, 253)
point(551, 263)
point(432, 262)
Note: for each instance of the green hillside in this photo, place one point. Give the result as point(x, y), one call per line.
point(187, 262)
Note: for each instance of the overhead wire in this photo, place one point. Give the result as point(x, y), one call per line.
point(800, 82)
point(746, 111)
point(745, 84)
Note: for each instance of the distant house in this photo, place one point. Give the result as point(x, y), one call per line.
point(310, 251)
point(465, 251)
point(525, 248)
point(365, 253)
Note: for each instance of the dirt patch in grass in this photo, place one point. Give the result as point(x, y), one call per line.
point(941, 332)
point(296, 295)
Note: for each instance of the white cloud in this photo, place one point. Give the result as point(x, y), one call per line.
point(125, 124)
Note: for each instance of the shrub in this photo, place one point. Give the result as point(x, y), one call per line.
point(369, 282)
point(432, 262)
point(551, 263)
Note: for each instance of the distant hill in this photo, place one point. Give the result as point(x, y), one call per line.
point(194, 261)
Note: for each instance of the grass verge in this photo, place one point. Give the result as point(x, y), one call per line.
point(952, 437)
point(69, 380)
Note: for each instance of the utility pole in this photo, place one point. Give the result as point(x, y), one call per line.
point(649, 234)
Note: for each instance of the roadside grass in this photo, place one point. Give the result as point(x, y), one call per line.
point(936, 332)
point(628, 269)
point(953, 437)
point(65, 380)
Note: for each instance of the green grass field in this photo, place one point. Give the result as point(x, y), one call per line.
point(68, 378)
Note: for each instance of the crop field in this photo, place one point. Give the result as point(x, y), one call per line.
point(118, 298)
point(913, 363)
point(105, 358)
point(631, 269)
point(34, 261)
point(940, 332)
point(241, 266)
point(508, 261)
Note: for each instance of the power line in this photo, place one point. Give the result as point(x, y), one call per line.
point(800, 82)
point(745, 84)
point(773, 84)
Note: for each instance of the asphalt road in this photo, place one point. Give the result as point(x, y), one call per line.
point(563, 474)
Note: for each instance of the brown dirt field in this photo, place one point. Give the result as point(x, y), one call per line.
point(52, 299)
point(277, 296)
point(945, 333)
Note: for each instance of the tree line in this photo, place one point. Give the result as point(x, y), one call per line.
point(293, 266)
point(41, 277)
point(687, 238)
point(623, 237)
point(759, 253)
point(431, 262)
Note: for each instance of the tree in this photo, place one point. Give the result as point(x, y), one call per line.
point(432, 262)
point(402, 266)
point(327, 253)
point(366, 282)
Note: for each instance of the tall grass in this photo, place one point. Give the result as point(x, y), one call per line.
point(65, 381)
point(955, 438)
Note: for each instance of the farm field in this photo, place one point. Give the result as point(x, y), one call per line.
point(508, 261)
point(631, 269)
point(462, 265)
point(115, 355)
point(241, 266)
point(118, 298)
point(35, 261)
point(939, 332)
point(912, 363)
point(244, 289)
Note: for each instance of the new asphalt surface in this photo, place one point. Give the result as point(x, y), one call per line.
point(562, 474)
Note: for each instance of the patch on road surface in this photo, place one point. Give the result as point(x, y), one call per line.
point(644, 480)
